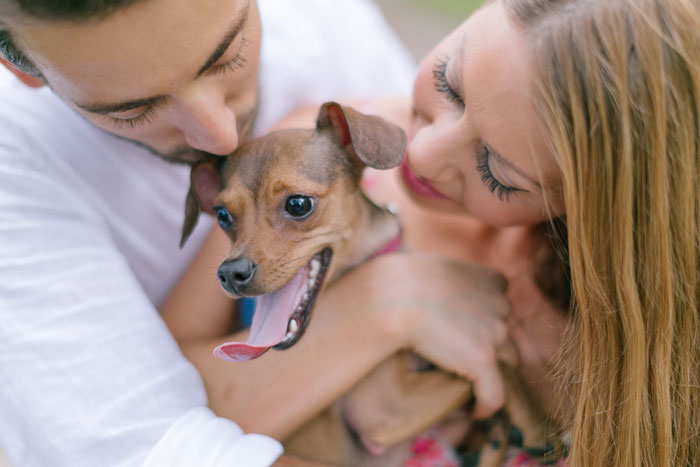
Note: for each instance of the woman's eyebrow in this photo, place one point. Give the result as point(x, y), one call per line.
point(456, 70)
point(510, 165)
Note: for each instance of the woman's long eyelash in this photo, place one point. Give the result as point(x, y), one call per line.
point(142, 119)
point(441, 84)
point(501, 191)
point(237, 63)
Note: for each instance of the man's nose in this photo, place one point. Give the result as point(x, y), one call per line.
point(207, 122)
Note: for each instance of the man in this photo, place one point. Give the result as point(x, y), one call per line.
point(90, 220)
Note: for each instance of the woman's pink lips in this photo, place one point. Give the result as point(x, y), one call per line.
point(418, 184)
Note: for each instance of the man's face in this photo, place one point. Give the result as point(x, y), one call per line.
point(179, 77)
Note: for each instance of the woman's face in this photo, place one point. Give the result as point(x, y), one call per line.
point(476, 145)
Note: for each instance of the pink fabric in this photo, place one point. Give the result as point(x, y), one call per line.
point(431, 450)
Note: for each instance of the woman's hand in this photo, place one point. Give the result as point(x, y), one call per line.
point(450, 312)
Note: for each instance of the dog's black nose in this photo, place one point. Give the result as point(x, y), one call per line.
point(235, 274)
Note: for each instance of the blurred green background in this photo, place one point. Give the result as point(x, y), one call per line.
point(449, 7)
point(421, 24)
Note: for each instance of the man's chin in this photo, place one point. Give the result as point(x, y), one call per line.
point(182, 155)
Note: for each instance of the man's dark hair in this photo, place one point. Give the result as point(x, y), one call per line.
point(52, 10)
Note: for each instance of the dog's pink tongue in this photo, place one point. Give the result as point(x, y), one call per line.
point(272, 314)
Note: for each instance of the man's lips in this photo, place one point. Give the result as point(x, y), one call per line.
point(419, 185)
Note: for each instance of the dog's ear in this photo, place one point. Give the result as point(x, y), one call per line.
point(205, 183)
point(372, 140)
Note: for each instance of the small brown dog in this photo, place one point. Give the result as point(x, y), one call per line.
point(297, 219)
point(290, 203)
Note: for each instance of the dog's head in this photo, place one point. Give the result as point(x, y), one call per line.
point(291, 206)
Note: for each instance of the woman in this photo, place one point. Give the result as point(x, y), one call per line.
point(588, 109)
point(557, 142)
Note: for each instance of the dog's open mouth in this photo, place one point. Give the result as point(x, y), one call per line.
point(281, 316)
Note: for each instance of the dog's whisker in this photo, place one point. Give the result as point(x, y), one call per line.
point(300, 258)
point(286, 254)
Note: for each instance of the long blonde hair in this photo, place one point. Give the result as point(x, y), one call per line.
point(617, 85)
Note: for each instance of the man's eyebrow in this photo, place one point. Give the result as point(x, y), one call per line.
point(233, 32)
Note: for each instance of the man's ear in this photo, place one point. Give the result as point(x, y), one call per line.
point(205, 183)
point(27, 79)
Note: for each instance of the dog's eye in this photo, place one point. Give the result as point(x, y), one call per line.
point(225, 218)
point(299, 206)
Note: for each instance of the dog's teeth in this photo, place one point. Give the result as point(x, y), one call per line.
point(292, 327)
point(315, 266)
point(306, 296)
point(311, 283)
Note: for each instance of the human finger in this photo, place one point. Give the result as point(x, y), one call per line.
point(489, 393)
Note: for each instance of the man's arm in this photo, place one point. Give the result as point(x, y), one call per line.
point(90, 374)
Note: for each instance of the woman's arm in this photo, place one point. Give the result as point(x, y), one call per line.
point(449, 312)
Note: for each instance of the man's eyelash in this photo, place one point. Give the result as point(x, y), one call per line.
point(441, 84)
point(235, 64)
point(142, 119)
point(501, 191)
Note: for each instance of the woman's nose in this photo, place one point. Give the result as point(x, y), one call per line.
point(207, 122)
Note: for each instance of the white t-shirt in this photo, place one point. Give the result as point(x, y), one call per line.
point(89, 231)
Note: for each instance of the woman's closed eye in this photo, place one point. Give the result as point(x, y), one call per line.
point(502, 192)
point(442, 84)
